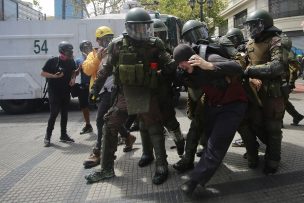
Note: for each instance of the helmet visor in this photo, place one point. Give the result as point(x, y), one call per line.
point(140, 31)
point(254, 28)
point(193, 36)
point(235, 40)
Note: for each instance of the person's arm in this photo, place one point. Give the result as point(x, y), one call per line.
point(91, 64)
point(196, 60)
point(272, 69)
point(217, 65)
point(74, 74)
point(50, 75)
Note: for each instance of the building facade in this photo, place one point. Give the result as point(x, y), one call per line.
point(288, 16)
point(18, 10)
point(65, 9)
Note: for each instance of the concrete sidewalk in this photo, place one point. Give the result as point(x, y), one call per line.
point(31, 173)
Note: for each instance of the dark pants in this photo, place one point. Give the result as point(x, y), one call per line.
point(103, 107)
point(221, 125)
point(58, 103)
point(114, 122)
point(289, 107)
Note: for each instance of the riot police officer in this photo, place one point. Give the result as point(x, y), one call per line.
point(136, 59)
point(266, 62)
point(165, 94)
point(235, 35)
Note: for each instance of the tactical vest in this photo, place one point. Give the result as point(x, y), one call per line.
point(138, 65)
point(259, 54)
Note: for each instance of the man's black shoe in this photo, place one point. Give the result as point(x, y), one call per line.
point(86, 129)
point(188, 187)
point(66, 138)
point(296, 120)
point(145, 160)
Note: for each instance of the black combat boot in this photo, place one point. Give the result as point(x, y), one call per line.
point(160, 175)
point(147, 148)
point(270, 167)
point(253, 162)
point(145, 160)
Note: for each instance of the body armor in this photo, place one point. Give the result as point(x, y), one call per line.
point(268, 66)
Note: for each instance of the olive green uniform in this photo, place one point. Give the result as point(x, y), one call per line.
point(135, 67)
point(267, 64)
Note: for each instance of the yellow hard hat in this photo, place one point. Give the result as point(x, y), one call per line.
point(103, 31)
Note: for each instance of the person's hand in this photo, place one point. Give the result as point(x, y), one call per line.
point(93, 97)
point(256, 83)
point(101, 53)
point(196, 60)
point(58, 75)
point(72, 82)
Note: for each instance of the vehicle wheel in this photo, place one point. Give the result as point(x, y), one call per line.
point(18, 106)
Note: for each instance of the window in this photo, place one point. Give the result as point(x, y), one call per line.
point(10, 10)
point(223, 28)
point(239, 19)
point(283, 8)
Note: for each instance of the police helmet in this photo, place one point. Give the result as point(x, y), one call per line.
point(160, 29)
point(86, 46)
point(138, 24)
point(257, 22)
point(193, 31)
point(236, 36)
point(65, 48)
point(227, 45)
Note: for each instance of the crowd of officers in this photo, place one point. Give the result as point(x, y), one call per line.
point(233, 86)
